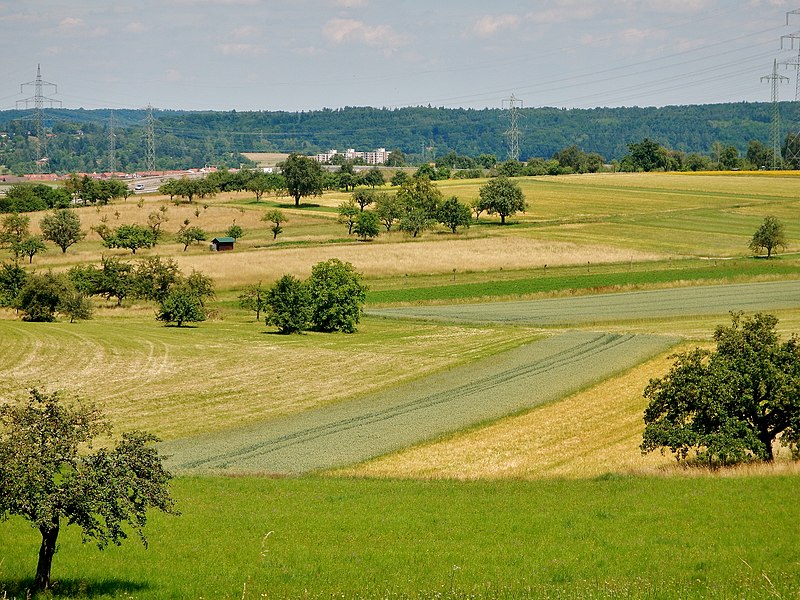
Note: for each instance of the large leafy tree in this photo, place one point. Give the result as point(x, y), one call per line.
point(190, 235)
point(13, 229)
point(453, 213)
point(289, 305)
point(303, 177)
point(131, 237)
point(502, 196)
point(62, 227)
point(44, 294)
point(367, 225)
point(337, 296)
point(769, 236)
point(12, 280)
point(49, 476)
point(181, 305)
point(731, 404)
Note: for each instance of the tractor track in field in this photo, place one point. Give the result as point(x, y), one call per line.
point(379, 423)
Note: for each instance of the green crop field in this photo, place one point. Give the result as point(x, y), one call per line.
point(544, 385)
point(627, 306)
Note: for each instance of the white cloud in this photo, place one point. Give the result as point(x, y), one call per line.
point(349, 30)
point(241, 49)
point(634, 35)
point(70, 24)
point(489, 25)
point(76, 26)
point(349, 3)
point(135, 27)
point(246, 31)
point(564, 11)
point(173, 76)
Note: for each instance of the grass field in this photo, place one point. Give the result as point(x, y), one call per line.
point(179, 382)
point(460, 397)
point(610, 538)
point(594, 310)
point(576, 279)
point(564, 517)
point(571, 221)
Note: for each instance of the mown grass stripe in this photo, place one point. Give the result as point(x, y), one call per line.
point(603, 308)
point(721, 272)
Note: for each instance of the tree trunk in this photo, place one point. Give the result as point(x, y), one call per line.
point(297, 200)
point(46, 552)
point(767, 439)
point(502, 219)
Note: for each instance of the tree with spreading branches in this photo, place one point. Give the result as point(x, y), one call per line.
point(51, 476)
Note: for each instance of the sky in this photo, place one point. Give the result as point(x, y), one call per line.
point(298, 55)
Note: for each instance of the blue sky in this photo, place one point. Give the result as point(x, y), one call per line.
point(309, 54)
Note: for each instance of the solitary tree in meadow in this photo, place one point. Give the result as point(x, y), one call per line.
point(769, 236)
point(48, 476)
point(276, 217)
point(502, 196)
point(303, 177)
point(62, 227)
point(731, 404)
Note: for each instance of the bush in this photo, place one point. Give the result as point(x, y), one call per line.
point(44, 295)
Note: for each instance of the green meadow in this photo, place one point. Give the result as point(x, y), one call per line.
point(323, 537)
point(449, 343)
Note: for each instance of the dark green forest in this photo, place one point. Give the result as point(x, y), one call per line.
point(79, 140)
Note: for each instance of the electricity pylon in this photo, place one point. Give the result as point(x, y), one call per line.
point(775, 128)
point(38, 101)
point(514, 105)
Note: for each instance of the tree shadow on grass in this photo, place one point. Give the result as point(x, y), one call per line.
point(70, 588)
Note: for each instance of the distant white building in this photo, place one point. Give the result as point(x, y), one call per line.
point(378, 156)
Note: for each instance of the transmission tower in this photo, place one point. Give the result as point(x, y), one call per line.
point(792, 154)
point(514, 105)
point(38, 101)
point(775, 129)
point(112, 145)
point(150, 140)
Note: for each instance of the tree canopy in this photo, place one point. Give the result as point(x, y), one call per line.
point(48, 477)
point(770, 236)
point(62, 227)
point(303, 177)
point(731, 404)
point(502, 196)
point(337, 296)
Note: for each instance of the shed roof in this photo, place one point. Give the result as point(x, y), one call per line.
point(224, 240)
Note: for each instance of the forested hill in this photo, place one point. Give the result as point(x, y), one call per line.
point(78, 140)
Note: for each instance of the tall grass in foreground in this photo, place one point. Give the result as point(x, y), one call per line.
point(324, 537)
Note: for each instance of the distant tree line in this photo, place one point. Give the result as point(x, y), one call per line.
point(78, 140)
